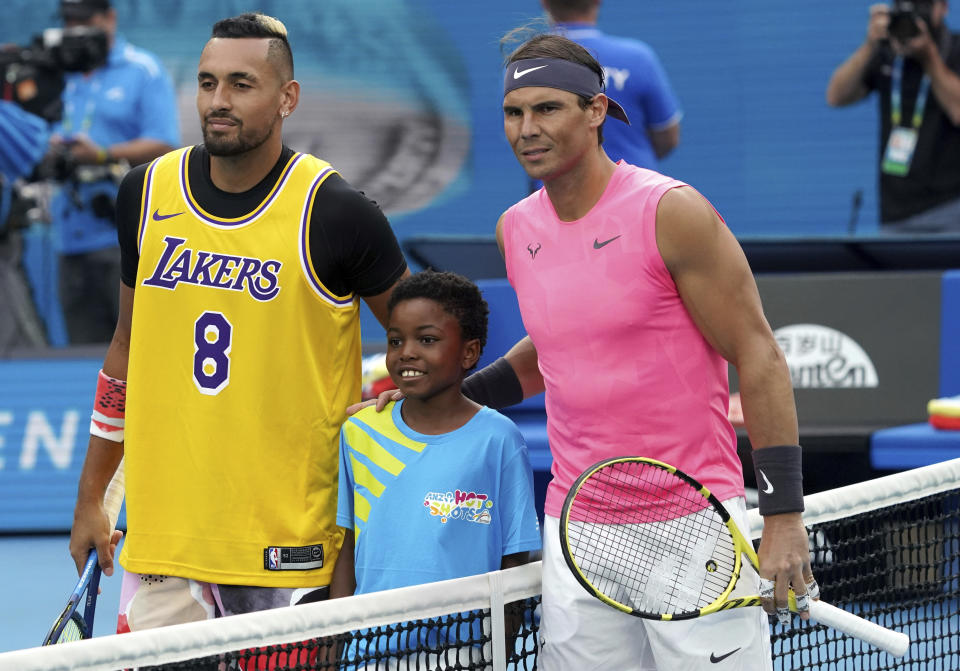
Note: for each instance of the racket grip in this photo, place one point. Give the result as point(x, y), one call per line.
point(894, 642)
point(113, 497)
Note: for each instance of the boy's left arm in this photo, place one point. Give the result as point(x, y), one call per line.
point(344, 579)
point(513, 612)
point(515, 559)
point(344, 582)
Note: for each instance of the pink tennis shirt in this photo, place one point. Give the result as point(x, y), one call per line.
point(627, 372)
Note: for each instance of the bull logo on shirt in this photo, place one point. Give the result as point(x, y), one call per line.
point(211, 269)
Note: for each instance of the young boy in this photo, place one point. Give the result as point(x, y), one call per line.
point(436, 487)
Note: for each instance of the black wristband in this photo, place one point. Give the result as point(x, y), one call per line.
point(779, 471)
point(495, 386)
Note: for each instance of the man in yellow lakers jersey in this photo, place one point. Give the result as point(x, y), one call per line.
point(239, 337)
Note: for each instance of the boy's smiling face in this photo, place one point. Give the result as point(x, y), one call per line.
point(426, 352)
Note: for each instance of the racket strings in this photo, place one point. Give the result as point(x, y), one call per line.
point(74, 630)
point(647, 539)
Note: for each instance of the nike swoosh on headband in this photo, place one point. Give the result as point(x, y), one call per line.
point(564, 75)
point(517, 74)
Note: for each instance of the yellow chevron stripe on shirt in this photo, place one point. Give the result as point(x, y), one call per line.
point(363, 477)
point(360, 442)
point(361, 507)
point(382, 423)
point(363, 444)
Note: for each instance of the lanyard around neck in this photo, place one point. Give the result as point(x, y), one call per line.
point(92, 92)
point(896, 80)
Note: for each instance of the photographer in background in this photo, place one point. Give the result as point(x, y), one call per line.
point(634, 75)
point(23, 137)
point(116, 114)
point(912, 60)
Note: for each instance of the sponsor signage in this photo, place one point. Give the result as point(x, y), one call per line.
point(820, 357)
point(44, 428)
point(863, 348)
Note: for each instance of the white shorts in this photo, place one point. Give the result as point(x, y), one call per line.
point(578, 632)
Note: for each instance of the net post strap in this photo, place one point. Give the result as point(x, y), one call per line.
point(183, 642)
point(497, 622)
point(877, 493)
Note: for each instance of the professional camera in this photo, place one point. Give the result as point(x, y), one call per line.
point(903, 18)
point(32, 76)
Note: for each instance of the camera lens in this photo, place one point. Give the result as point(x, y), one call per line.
point(903, 25)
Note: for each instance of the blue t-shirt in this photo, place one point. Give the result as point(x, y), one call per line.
point(433, 507)
point(130, 97)
point(635, 79)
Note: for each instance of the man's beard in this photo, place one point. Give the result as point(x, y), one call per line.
point(235, 146)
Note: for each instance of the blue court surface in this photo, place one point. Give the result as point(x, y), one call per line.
point(37, 579)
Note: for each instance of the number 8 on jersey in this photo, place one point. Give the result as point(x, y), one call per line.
point(213, 336)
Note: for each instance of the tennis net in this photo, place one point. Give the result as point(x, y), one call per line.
point(887, 550)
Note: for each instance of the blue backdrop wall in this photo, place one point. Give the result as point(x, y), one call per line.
point(404, 97)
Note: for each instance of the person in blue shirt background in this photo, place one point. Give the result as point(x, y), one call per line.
point(121, 113)
point(23, 139)
point(634, 77)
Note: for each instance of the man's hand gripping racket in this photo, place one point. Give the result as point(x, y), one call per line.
point(651, 541)
point(70, 626)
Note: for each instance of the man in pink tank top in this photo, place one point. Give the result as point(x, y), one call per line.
point(635, 296)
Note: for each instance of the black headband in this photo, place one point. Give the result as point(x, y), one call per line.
point(556, 73)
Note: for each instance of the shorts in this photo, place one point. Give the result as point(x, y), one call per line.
point(148, 601)
point(578, 632)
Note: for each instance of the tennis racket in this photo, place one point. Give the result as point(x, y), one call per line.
point(651, 541)
point(70, 626)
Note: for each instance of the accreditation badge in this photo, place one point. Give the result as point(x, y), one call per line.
point(899, 153)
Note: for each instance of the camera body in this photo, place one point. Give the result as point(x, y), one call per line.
point(33, 76)
point(903, 18)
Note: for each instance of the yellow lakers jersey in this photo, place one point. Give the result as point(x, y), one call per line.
point(241, 366)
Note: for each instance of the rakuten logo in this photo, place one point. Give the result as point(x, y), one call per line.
point(820, 357)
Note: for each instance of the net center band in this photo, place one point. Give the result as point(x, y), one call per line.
point(556, 73)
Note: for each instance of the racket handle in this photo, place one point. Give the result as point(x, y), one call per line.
point(113, 497)
point(894, 642)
